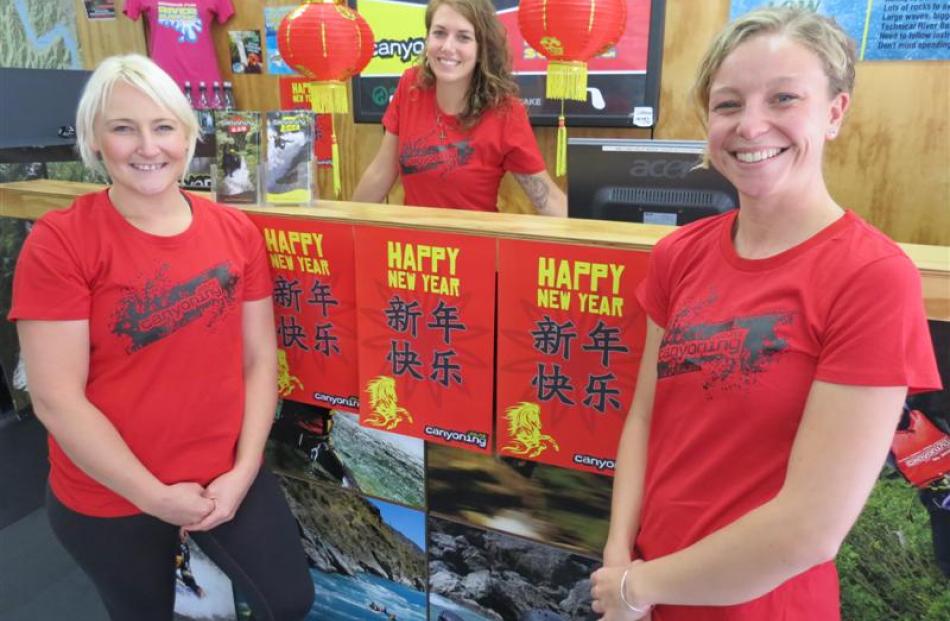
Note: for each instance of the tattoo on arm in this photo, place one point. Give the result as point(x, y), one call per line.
point(536, 189)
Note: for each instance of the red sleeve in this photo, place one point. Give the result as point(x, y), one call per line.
point(653, 291)
point(391, 116)
point(133, 9)
point(877, 332)
point(522, 155)
point(223, 9)
point(49, 283)
point(257, 276)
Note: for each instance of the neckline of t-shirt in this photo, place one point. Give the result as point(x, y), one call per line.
point(752, 265)
point(452, 119)
point(164, 240)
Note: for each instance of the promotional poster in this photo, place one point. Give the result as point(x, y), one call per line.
point(367, 557)
point(272, 18)
point(295, 95)
point(548, 504)
point(883, 30)
point(238, 156)
point(315, 443)
point(314, 303)
point(479, 575)
point(426, 325)
point(245, 49)
point(289, 157)
point(570, 337)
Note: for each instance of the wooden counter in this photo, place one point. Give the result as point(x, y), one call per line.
point(31, 199)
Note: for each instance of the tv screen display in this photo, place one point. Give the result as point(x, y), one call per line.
point(648, 181)
point(622, 85)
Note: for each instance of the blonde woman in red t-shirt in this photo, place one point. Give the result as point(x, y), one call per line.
point(146, 326)
point(782, 340)
point(455, 125)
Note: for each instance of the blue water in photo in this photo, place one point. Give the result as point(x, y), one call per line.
point(437, 604)
point(345, 598)
point(272, 18)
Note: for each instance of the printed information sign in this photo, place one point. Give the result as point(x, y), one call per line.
point(570, 338)
point(426, 325)
point(314, 309)
point(883, 29)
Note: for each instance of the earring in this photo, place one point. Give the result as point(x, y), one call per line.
point(832, 132)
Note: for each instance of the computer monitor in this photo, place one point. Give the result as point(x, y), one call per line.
point(648, 181)
point(38, 113)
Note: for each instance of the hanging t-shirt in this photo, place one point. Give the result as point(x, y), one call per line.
point(180, 36)
point(443, 165)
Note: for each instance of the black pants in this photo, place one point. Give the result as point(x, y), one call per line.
point(131, 560)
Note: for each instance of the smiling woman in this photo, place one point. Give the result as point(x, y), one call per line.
point(455, 125)
point(782, 339)
point(143, 147)
point(146, 326)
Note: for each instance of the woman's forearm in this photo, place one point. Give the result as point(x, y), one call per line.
point(747, 559)
point(828, 480)
point(632, 454)
point(381, 173)
point(628, 485)
point(260, 404)
point(260, 382)
point(91, 442)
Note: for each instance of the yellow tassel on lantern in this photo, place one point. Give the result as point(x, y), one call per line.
point(560, 163)
point(567, 80)
point(335, 160)
point(329, 97)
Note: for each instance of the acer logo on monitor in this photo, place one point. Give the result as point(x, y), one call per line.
point(674, 169)
point(649, 181)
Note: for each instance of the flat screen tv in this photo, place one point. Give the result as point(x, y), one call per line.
point(648, 181)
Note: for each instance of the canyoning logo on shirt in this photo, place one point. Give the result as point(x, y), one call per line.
point(182, 18)
point(422, 155)
point(155, 311)
point(729, 353)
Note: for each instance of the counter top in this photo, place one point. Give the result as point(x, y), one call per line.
point(31, 199)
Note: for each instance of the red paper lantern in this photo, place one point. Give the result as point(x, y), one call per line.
point(569, 33)
point(327, 43)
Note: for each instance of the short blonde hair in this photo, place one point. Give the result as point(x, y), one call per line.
point(822, 35)
point(140, 72)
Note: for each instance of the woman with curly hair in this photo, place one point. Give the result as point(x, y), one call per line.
point(455, 124)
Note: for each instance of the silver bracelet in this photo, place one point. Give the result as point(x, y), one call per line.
point(623, 596)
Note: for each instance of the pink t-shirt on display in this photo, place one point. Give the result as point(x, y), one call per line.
point(180, 36)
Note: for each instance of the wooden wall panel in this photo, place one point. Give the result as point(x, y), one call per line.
point(689, 28)
point(889, 165)
point(892, 161)
point(101, 39)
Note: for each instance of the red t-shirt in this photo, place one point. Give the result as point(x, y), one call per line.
point(743, 342)
point(180, 39)
point(165, 359)
point(442, 165)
